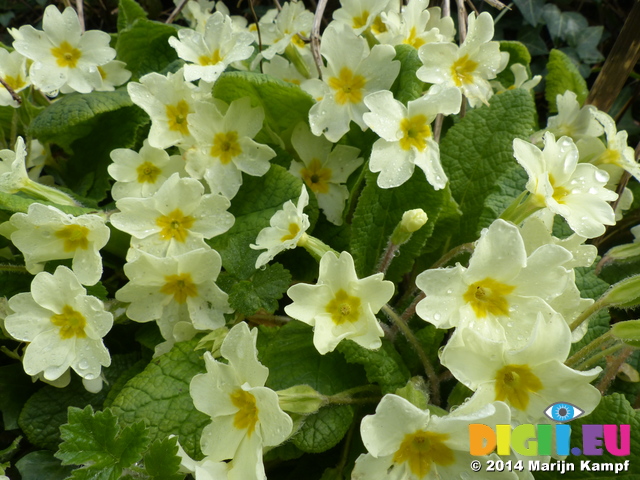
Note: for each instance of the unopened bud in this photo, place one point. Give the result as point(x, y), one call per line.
point(628, 332)
point(300, 399)
point(624, 294)
point(414, 220)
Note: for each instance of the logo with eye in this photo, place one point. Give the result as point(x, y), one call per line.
point(563, 412)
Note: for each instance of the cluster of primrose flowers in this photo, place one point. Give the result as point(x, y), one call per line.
point(515, 309)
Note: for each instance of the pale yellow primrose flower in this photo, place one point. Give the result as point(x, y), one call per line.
point(572, 120)
point(575, 191)
point(528, 379)
point(283, 31)
point(341, 306)
point(179, 292)
point(174, 220)
point(287, 226)
point(407, 443)
point(323, 170)
point(502, 291)
point(521, 79)
point(245, 415)
point(141, 174)
point(113, 75)
point(13, 70)
point(417, 25)
point(352, 72)
point(45, 233)
point(211, 52)
point(225, 147)
point(614, 156)
point(469, 66)
point(62, 55)
point(168, 100)
point(359, 15)
point(405, 134)
point(64, 327)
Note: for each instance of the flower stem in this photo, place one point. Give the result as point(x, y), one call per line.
point(453, 253)
point(434, 382)
point(13, 268)
point(593, 308)
point(588, 349)
point(603, 354)
point(347, 397)
point(611, 370)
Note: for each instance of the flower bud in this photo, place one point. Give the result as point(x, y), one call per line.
point(300, 399)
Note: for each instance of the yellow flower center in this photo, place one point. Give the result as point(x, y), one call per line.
point(246, 417)
point(316, 177)
point(416, 130)
point(15, 83)
point(180, 286)
point(147, 172)
point(378, 26)
point(514, 382)
point(294, 229)
point(413, 39)
point(610, 156)
point(421, 449)
point(462, 70)
point(175, 225)
point(74, 237)
point(344, 308)
point(297, 40)
point(71, 323)
point(212, 59)
point(177, 117)
point(488, 296)
point(225, 146)
point(559, 193)
point(102, 73)
point(66, 55)
point(348, 86)
point(361, 21)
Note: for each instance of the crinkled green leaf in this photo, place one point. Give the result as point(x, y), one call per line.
point(508, 187)
point(476, 151)
point(458, 395)
point(46, 410)
point(613, 410)
point(563, 75)
point(144, 47)
point(128, 12)
point(89, 127)
point(591, 286)
point(41, 465)
point(518, 53)
point(161, 461)
point(531, 10)
point(284, 104)
point(292, 359)
point(383, 366)
point(159, 396)
point(254, 205)
point(262, 291)
point(15, 388)
point(445, 229)
point(376, 216)
point(407, 86)
point(95, 441)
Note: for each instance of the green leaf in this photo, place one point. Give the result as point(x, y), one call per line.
point(292, 359)
point(407, 86)
point(128, 12)
point(15, 388)
point(46, 410)
point(19, 203)
point(159, 396)
point(89, 127)
point(508, 187)
point(40, 465)
point(563, 25)
point(383, 366)
point(476, 151)
point(591, 286)
point(587, 44)
point(144, 47)
point(95, 441)
point(613, 410)
point(162, 461)
point(262, 291)
point(284, 104)
point(518, 53)
point(445, 228)
point(563, 75)
point(531, 10)
point(376, 216)
point(254, 205)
